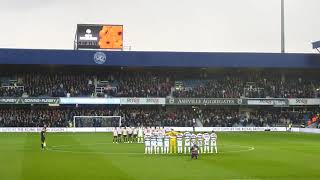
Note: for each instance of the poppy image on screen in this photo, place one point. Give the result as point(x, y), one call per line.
point(110, 37)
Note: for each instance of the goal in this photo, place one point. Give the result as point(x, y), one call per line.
point(96, 121)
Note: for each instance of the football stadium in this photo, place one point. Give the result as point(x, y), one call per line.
point(105, 111)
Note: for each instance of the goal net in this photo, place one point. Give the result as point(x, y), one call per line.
point(96, 121)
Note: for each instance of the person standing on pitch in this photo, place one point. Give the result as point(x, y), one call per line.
point(200, 142)
point(43, 137)
point(152, 130)
point(179, 142)
point(173, 141)
point(290, 126)
point(157, 130)
point(213, 141)
point(135, 134)
point(162, 131)
point(166, 144)
point(193, 139)
point(206, 137)
point(159, 149)
point(130, 131)
point(153, 143)
point(119, 134)
point(140, 134)
point(147, 144)
point(187, 142)
point(115, 136)
point(125, 135)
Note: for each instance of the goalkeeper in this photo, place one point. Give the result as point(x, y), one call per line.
point(173, 141)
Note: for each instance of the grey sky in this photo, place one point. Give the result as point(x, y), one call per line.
point(164, 25)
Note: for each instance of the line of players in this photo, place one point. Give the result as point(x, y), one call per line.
point(158, 142)
point(128, 135)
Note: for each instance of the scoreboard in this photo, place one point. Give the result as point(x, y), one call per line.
point(96, 36)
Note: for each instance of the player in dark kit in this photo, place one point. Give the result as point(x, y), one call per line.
point(43, 137)
point(194, 151)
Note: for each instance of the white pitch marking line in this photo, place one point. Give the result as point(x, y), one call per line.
point(250, 148)
point(88, 152)
point(67, 145)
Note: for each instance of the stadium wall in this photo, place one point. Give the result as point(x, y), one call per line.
point(159, 59)
point(280, 102)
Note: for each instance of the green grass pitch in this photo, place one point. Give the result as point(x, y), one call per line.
point(92, 156)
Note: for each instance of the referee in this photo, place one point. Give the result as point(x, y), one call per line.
point(43, 137)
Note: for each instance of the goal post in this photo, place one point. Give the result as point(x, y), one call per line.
point(96, 121)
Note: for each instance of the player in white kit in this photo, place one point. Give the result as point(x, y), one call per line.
point(147, 145)
point(147, 131)
point(166, 144)
point(130, 132)
point(153, 143)
point(200, 142)
point(140, 135)
point(155, 132)
point(125, 134)
point(115, 135)
point(206, 138)
point(162, 131)
point(179, 142)
point(159, 148)
point(187, 142)
point(152, 130)
point(213, 141)
point(119, 134)
point(135, 134)
point(193, 139)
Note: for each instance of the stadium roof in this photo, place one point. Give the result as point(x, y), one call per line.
point(316, 45)
point(159, 59)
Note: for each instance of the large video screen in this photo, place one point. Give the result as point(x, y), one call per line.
point(93, 36)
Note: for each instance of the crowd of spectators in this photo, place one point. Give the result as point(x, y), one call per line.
point(57, 84)
point(216, 88)
point(162, 84)
point(148, 116)
point(52, 117)
point(213, 117)
point(253, 85)
point(143, 85)
point(74, 84)
point(157, 117)
point(32, 117)
point(11, 92)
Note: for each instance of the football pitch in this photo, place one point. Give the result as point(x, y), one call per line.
point(92, 156)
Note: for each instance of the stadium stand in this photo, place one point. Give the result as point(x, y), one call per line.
point(36, 116)
point(165, 80)
point(150, 84)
